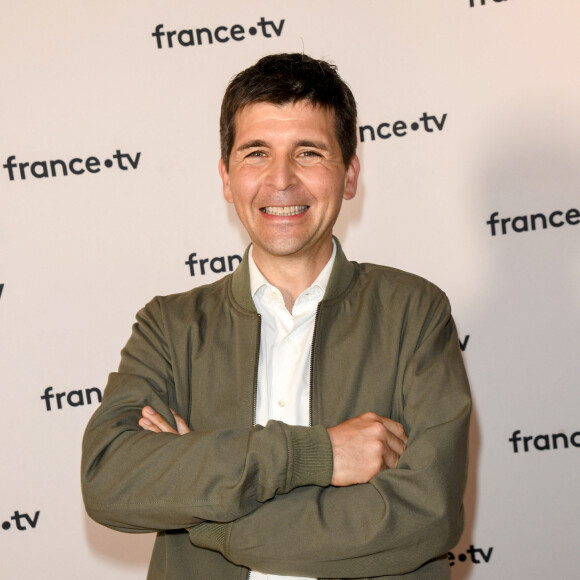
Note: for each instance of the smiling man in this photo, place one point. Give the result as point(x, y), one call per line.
point(305, 416)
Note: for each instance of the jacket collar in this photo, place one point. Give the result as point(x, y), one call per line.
point(340, 278)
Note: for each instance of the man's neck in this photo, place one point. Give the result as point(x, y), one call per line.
point(292, 274)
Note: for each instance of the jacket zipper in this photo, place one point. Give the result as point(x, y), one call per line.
point(311, 379)
point(256, 364)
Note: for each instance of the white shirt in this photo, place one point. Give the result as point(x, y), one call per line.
point(285, 347)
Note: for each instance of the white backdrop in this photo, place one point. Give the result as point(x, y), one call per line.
point(488, 95)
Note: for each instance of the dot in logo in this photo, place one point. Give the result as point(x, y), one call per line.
point(462, 557)
point(414, 126)
point(252, 31)
point(108, 163)
point(5, 525)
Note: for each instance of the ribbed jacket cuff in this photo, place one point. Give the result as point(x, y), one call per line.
point(311, 461)
point(211, 535)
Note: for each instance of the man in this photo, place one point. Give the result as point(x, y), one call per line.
point(306, 416)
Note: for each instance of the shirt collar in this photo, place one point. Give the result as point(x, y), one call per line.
point(258, 280)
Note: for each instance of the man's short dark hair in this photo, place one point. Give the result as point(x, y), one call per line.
point(283, 79)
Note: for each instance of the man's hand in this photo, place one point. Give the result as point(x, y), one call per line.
point(364, 446)
point(153, 421)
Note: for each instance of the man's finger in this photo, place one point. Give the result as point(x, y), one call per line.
point(182, 427)
point(153, 421)
point(395, 428)
point(394, 449)
point(148, 426)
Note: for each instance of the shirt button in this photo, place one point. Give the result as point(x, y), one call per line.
point(281, 403)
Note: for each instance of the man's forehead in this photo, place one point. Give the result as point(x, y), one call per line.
point(261, 112)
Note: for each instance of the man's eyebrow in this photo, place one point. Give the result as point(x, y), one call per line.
point(252, 144)
point(314, 144)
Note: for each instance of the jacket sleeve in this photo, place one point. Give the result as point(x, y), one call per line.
point(135, 480)
point(398, 521)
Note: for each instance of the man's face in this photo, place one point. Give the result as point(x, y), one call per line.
point(287, 179)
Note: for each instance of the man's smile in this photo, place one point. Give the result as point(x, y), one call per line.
point(288, 210)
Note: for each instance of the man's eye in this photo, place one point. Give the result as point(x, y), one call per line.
point(310, 154)
point(256, 154)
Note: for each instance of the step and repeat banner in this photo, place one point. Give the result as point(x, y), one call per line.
point(469, 131)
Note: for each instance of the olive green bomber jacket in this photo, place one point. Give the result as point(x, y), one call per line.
point(258, 497)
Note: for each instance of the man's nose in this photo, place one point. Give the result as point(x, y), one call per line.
point(281, 173)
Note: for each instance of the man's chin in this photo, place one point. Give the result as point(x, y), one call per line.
point(289, 248)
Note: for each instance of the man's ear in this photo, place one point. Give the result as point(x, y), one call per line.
point(351, 178)
point(224, 174)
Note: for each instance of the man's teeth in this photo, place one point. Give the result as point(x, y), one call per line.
point(286, 210)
